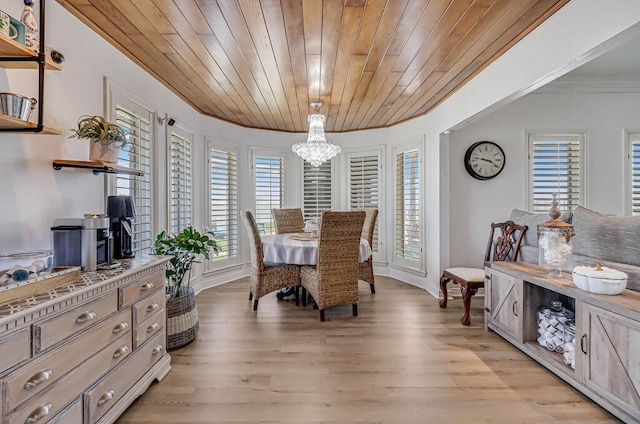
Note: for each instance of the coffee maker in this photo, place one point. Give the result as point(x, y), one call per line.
point(84, 242)
point(121, 210)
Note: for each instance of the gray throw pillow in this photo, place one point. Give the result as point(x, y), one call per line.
point(607, 237)
point(532, 220)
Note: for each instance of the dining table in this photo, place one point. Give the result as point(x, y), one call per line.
point(300, 249)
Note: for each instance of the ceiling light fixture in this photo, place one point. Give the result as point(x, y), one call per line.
point(316, 149)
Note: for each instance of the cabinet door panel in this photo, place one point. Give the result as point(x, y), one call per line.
point(613, 368)
point(503, 303)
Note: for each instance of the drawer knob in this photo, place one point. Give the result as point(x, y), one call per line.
point(106, 397)
point(153, 327)
point(87, 316)
point(120, 327)
point(122, 350)
point(39, 413)
point(38, 378)
point(146, 286)
point(152, 307)
point(157, 349)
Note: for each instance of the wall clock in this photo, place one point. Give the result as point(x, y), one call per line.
point(484, 160)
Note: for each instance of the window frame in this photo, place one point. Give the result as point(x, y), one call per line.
point(232, 148)
point(562, 136)
point(118, 96)
point(417, 265)
point(255, 153)
point(378, 249)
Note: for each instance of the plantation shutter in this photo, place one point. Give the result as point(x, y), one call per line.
point(224, 202)
point(137, 154)
point(364, 171)
point(180, 182)
point(269, 190)
point(555, 168)
point(407, 216)
point(316, 189)
point(634, 157)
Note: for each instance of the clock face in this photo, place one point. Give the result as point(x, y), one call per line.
point(484, 160)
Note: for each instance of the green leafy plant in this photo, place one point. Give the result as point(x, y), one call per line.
point(99, 130)
point(185, 246)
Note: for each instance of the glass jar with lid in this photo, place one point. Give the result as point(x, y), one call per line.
point(552, 320)
point(569, 348)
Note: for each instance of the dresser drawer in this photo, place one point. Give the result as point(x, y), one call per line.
point(103, 395)
point(42, 372)
point(72, 414)
point(15, 348)
point(149, 327)
point(63, 391)
point(54, 330)
point(148, 306)
point(141, 287)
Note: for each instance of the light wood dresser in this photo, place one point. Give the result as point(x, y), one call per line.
point(607, 332)
point(84, 352)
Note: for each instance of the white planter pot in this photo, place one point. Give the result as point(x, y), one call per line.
point(104, 152)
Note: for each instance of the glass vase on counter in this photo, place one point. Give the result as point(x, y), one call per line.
point(555, 250)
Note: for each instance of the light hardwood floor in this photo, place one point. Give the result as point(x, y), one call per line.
point(402, 360)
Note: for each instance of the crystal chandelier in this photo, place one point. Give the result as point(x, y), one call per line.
point(316, 149)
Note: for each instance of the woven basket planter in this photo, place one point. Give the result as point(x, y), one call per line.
point(182, 319)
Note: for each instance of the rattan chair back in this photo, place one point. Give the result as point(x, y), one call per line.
point(365, 269)
point(288, 220)
point(334, 279)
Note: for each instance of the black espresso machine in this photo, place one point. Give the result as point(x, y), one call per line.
point(121, 210)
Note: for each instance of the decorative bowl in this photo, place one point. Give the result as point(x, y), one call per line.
point(599, 279)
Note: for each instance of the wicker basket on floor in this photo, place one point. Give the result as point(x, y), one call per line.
point(182, 319)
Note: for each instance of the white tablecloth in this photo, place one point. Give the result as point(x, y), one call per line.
point(279, 248)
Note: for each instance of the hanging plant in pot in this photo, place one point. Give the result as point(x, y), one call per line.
point(186, 247)
point(106, 138)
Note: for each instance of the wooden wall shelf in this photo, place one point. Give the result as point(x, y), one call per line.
point(96, 167)
point(12, 49)
point(8, 122)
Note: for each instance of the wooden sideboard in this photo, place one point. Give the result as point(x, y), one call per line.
point(84, 352)
point(607, 348)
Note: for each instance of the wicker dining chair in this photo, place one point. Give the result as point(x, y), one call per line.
point(365, 269)
point(288, 220)
point(334, 278)
point(265, 279)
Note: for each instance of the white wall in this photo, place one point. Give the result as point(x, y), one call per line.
point(476, 204)
point(33, 194)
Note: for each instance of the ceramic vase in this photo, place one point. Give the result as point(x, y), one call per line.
point(102, 152)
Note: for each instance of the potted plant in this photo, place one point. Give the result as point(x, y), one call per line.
point(106, 137)
point(186, 247)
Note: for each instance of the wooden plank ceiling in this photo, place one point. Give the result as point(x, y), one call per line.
point(259, 63)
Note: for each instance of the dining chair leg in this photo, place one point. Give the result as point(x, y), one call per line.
point(304, 297)
point(250, 295)
point(297, 289)
point(255, 305)
point(373, 287)
point(321, 315)
point(355, 310)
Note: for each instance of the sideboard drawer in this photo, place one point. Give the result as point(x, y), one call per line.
point(54, 330)
point(141, 287)
point(42, 372)
point(149, 327)
point(63, 391)
point(72, 414)
point(103, 395)
point(16, 347)
point(148, 306)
